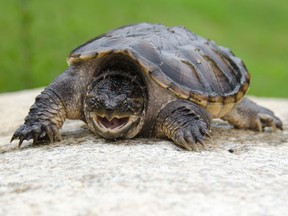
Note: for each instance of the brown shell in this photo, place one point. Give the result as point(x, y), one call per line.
point(190, 66)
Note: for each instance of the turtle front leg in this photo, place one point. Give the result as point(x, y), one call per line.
point(185, 123)
point(249, 115)
point(45, 118)
point(60, 100)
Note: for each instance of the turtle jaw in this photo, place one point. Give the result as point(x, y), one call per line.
point(113, 127)
point(112, 124)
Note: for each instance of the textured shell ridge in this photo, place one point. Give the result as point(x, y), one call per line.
point(188, 65)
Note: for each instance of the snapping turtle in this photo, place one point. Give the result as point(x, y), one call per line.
point(148, 80)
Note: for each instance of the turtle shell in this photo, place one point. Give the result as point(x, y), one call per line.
point(190, 66)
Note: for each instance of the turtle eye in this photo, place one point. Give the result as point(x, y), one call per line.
point(93, 101)
point(97, 102)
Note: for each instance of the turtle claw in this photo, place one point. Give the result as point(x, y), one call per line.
point(195, 148)
point(36, 131)
point(49, 133)
point(250, 115)
point(13, 138)
point(201, 142)
point(268, 120)
point(20, 142)
point(182, 142)
point(56, 132)
point(36, 137)
point(16, 135)
point(189, 136)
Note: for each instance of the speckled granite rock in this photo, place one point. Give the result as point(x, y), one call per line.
point(241, 173)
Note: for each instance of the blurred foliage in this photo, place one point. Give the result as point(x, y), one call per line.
point(36, 36)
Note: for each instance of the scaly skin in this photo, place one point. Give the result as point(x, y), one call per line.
point(185, 123)
point(60, 100)
point(249, 115)
point(182, 121)
point(46, 117)
point(112, 98)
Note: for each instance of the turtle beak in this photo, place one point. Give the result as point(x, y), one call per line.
point(109, 114)
point(111, 126)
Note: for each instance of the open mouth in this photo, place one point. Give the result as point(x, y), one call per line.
point(113, 128)
point(113, 123)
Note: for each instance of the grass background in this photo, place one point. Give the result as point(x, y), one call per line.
point(36, 36)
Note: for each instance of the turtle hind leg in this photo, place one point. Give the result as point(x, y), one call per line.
point(249, 115)
point(185, 123)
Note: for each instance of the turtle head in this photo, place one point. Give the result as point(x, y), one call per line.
point(114, 106)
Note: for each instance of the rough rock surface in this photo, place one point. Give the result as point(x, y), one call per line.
point(241, 173)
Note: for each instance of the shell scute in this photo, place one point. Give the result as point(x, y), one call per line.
point(188, 65)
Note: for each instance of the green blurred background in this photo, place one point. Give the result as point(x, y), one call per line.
point(36, 36)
